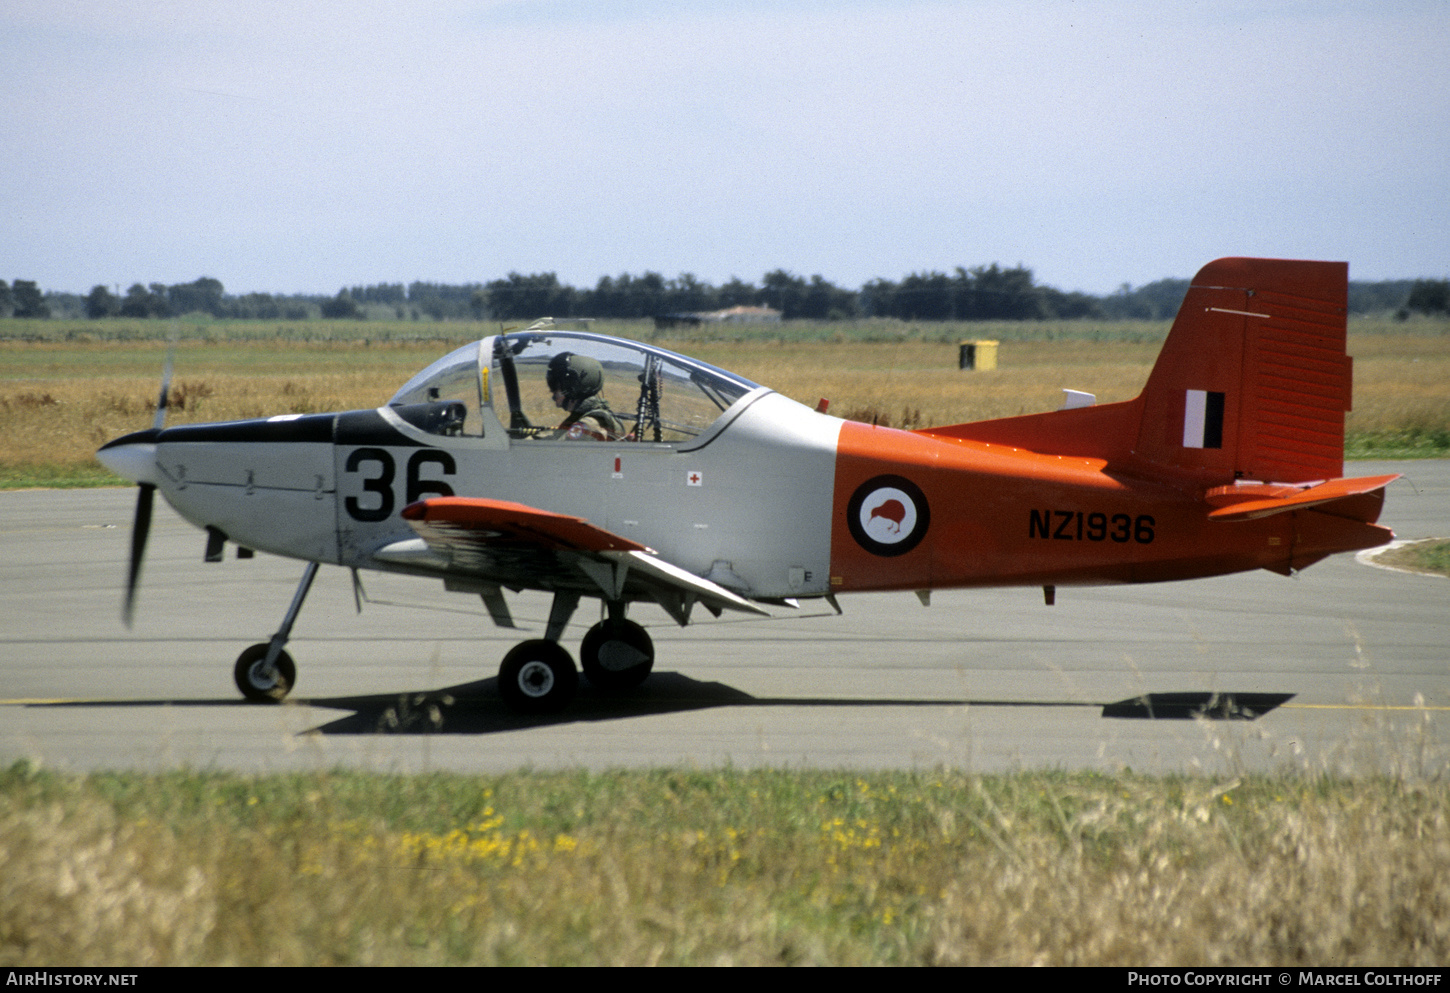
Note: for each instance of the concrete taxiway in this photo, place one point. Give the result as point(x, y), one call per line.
point(980, 680)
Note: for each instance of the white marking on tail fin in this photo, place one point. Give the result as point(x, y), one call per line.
point(1194, 411)
point(1202, 419)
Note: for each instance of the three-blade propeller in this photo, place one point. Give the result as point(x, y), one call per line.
point(141, 524)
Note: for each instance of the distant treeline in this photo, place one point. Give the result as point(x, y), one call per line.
point(981, 293)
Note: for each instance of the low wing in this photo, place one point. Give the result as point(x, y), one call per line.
point(518, 546)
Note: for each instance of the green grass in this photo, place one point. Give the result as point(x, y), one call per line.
point(1436, 557)
point(1431, 555)
point(58, 477)
point(701, 867)
point(1405, 443)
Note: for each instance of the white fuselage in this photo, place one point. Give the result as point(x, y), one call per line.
point(748, 501)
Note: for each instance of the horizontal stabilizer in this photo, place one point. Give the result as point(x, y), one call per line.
point(1249, 501)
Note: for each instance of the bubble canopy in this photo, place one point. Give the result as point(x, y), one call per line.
point(658, 396)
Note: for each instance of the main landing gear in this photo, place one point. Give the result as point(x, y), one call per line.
point(536, 676)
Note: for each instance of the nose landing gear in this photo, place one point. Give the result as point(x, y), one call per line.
point(264, 672)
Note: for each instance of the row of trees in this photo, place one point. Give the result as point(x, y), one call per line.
point(24, 299)
point(1429, 296)
point(981, 293)
point(205, 295)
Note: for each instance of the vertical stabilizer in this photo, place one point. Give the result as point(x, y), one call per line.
point(1253, 381)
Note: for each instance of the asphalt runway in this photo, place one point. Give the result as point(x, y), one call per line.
point(980, 680)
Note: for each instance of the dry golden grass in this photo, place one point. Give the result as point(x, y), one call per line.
point(63, 423)
point(60, 400)
point(918, 384)
point(1400, 381)
point(754, 868)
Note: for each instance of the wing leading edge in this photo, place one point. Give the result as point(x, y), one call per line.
point(523, 547)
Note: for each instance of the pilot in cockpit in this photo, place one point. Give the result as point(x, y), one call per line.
point(575, 381)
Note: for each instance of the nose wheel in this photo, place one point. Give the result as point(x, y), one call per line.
point(263, 683)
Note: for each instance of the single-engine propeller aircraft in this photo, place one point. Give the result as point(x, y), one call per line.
point(703, 489)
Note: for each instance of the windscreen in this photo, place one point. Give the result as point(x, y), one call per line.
point(444, 398)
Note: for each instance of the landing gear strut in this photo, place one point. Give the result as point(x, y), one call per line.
point(264, 672)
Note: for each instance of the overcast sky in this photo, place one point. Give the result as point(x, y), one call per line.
point(303, 147)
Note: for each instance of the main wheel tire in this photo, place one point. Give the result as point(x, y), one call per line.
point(617, 655)
point(537, 677)
point(261, 686)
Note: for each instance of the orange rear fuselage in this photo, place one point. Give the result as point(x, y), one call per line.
point(922, 511)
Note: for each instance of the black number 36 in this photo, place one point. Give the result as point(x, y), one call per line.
point(381, 482)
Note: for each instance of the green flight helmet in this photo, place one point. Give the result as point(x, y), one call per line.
point(575, 376)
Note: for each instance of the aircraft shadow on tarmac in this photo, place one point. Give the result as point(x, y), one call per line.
point(476, 707)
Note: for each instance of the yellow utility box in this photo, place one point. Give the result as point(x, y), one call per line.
point(980, 355)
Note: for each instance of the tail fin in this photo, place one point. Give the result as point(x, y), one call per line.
point(1253, 381)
